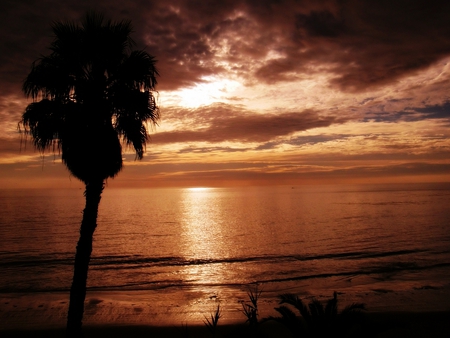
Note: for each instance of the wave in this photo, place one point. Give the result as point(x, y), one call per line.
point(381, 270)
point(184, 284)
point(372, 263)
point(137, 261)
point(366, 272)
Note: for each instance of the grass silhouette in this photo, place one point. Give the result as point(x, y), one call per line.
point(250, 310)
point(212, 324)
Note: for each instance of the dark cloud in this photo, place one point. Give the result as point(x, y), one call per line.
point(320, 23)
point(268, 145)
point(435, 111)
point(390, 39)
point(410, 114)
point(364, 43)
point(221, 123)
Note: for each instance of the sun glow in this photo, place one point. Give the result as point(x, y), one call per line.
point(211, 90)
point(202, 236)
point(195, 189)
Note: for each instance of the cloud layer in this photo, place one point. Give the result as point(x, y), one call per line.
point(315, 81)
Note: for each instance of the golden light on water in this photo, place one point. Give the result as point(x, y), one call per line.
point(202, 234)
point(195, 189)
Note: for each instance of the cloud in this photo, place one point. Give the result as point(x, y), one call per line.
point(222, 122)
point(364, 44)
point(10, 147)
point(301, 140)
point(203, 150)
point(435, 111)
point(361, 43)
point(382, 66)
point(410, 114)
point(267, 173)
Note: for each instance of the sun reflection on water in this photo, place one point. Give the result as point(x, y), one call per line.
point(195, 189)
point(202, 238)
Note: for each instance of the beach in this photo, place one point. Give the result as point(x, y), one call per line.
point(422, 313)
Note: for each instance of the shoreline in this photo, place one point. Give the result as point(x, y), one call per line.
point(143, 313)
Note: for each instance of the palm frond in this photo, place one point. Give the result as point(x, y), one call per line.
point(290, 320)
point(108, 42)
point(132, 117)
point(67, 38)
point(355, 307)
point(134, 133)
point(319, 321)
point(316, 308)
point(138, 70)
point(49, 78)
point(286, 313)
point(331, 308)
point(43, 121)
point(296, 302)
point(123, 29)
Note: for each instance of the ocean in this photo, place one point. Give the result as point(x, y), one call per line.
point(214, 243)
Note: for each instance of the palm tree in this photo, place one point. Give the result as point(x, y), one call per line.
point(89, 94)
point(318, 320)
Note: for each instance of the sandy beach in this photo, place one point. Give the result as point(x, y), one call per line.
point(422, 313)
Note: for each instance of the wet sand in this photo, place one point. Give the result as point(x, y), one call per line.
point(418, 313)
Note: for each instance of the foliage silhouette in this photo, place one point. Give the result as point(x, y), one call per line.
point(89, 94)
point(212, 324)
point(250, 310)
point(318, 320)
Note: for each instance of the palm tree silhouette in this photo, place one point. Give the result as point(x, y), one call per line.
point(92, 92)
point(318, 320)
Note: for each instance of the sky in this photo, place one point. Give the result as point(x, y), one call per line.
point(254, 92)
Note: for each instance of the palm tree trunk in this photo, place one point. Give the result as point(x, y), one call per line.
point(82, 257)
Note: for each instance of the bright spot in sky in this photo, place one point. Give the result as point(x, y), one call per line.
point(205, 93)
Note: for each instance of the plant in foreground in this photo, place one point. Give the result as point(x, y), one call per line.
point(250, 310)
point(212, 324)
point(316, 319)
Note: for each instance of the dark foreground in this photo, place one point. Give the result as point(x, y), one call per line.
point(380, 325)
